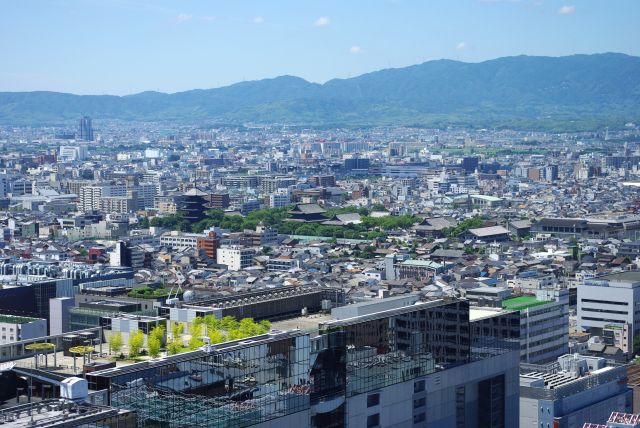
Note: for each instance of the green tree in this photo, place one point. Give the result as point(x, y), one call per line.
point(228, 323)
point(216, 336)
point(115, 342)
point(174, 346)
point(153, 345)
point(265, 325)
point(136, 342)
point(176, 330)
point(158, 333)
point(195, 330)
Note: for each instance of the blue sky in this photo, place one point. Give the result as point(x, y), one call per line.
point(128, 46)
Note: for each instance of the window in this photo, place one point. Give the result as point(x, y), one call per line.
point(418, 386)
point(420, 402)
point(421, 417)
point(373, 400)
point(373, 420)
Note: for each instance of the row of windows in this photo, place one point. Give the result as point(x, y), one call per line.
point(547, 340)
point(600, 319)
point(606, 311)
point(605, 302)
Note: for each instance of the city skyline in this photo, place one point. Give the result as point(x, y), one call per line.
point(170, 47)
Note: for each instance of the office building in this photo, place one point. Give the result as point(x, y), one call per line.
point(72, 153)
point(356, 165)
point(235, 258)
point(85, 129)
point(609, 299)
point(323, 180)
point(423, 365)
point(279, 200)
point(180, 241)
point(126, 255)
point(469, 164)
point(574, 391)
point(544, 323)
point(220, 201)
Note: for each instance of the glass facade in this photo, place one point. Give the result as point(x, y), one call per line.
point(246, 382)
point(368, 353)
point(235, 384)
point(495, 335)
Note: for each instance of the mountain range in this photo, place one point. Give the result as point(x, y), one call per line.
point(547, 93)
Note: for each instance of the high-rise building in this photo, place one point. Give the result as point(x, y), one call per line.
point(417, 365)
point(356, 164)
point(470, 163)
point(85, 129)
point(610, 299)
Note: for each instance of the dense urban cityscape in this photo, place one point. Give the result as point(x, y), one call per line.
point(453, 244)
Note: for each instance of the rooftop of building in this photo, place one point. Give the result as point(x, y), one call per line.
point(554, 380)
point(628, 277)
point(421, 263)
point(307, 323)
point(384, 313)
point(58, 413)
point(13, 319)
point(489, 231)
point(487, 198)
point(522, 302)
point(477, 313)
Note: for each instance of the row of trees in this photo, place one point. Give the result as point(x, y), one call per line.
point(370, 228)
point(213, 330)
point(155, 341)
point(202, 329)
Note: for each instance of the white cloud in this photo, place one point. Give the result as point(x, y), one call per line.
point(356, 50)
point(462, 45)
point(258, 20)
point(183, 17)
point(566, 10)
point(323, 21)
point(209, 18)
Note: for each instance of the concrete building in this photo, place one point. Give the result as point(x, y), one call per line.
point(609, 299)
point(59, 314)
point(119, 204)
point(180, 241)
point(282, 264)
point(235, 258)
point(14, 328)
point(90, 195)
point(72, 153)
point(279, 200)
point(576, 390)
point(544, 324)
point(126, 255)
